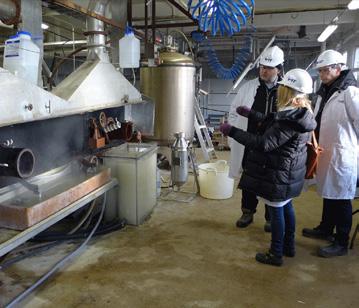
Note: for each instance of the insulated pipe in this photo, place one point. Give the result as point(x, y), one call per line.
point(96, 35)
point(18, 162)
point(9, 11)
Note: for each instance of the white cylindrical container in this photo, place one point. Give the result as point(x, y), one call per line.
point(22, 57)
point(214, 181)
point(129, 50)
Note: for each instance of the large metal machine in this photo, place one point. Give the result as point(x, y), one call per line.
point(43, 133)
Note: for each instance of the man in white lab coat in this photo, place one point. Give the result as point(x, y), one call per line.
point(337, 115)
point(259, 94)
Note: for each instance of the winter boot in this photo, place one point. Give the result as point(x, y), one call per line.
point(246, 219)
point(333, 250)
point(269, 258)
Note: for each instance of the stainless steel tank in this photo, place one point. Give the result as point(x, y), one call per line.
point(172, 86)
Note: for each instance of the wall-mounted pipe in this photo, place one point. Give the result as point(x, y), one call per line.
point(18, 162)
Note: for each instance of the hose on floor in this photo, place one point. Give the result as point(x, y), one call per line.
point(51, 240)
point(61, 263)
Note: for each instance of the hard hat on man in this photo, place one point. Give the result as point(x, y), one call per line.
point(272, 57)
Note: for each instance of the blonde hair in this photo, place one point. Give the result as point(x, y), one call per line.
point(288, 97)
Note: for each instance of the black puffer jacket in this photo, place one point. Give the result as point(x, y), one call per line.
point(276, 161)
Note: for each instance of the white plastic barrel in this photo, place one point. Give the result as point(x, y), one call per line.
point(129, 50)
point(214, 181)
point(22, 57)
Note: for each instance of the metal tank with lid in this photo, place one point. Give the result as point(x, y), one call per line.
point(172, 86)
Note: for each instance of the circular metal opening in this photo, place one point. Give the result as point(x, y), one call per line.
point(25, 163)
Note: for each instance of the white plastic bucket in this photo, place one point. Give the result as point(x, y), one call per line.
point(214, 181)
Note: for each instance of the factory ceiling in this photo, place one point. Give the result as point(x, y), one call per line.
point(298, 23)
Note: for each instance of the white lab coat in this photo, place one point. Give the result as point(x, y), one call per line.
point(337, 167)
point(244, 97)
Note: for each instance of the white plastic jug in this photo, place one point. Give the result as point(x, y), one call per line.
point(22, 57)
point(214, 181)
point(129, 50)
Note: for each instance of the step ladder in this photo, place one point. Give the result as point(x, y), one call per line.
point(203, 135)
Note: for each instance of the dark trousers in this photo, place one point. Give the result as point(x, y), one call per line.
point(250, 202)
point(337, 214)
point(283, 229)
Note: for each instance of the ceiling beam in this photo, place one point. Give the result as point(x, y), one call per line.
point(80, 9)
point(183, 10)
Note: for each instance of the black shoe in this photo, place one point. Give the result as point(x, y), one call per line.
point(289, 252)
point(267, 226)
point(317, 232)
point(245, 220)
point(269, 258)
point(333, 250)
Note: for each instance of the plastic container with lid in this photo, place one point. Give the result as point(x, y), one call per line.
point(22, 57)
point(214, 181)
point(129, 50)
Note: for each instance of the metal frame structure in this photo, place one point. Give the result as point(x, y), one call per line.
point(29, 233)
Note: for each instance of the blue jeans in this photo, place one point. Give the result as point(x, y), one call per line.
point(283, 229)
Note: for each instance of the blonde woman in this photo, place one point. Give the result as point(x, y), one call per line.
point(277, 155)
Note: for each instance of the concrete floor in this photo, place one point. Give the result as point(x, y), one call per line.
point(192, 255)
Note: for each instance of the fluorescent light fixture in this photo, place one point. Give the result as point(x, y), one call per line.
point(44, 26)
point(353, 5)
point(328, 31)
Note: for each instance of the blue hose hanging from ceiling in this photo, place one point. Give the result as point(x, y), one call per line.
point(225, 16)
point(240, 61)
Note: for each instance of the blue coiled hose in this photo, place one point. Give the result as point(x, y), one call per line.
point(241, 59)
point(225, 16)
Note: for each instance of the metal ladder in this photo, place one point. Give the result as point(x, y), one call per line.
point(200, 127)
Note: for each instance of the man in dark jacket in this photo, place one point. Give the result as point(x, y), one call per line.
point(259, 94)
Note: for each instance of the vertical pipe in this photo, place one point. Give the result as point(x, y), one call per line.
point(153, 26)
point(96, 29)
point(146, 29)
point(129, 12)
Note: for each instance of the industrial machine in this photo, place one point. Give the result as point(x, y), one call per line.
point(50, 141)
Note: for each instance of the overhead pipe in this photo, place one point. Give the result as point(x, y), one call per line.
point(10, 11)
point(170, 25)
point(183, 10)
point(77, 8)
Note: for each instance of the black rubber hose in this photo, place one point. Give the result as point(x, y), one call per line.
point(78, 235)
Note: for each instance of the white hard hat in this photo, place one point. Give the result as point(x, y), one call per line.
point(272, 57)
point(330, 57)
point(299, 80)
